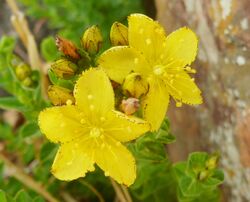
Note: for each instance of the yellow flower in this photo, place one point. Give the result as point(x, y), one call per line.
point(91, 131)
point(162, 60)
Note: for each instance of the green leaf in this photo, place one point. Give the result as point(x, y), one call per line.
point(22, 196)
point(3, 196)
point(11, 103)
point(60, 82)
point(216, 178)
point(197, 161)
point(189, 187)
point(29, 129)
point(7, 44)
point(164, 137)
point(28, 153)
point(49, 50)
point(38, 199)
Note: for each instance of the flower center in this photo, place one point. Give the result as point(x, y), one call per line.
point(158, 70)
point(95, 132)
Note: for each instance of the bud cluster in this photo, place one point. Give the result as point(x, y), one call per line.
point(23, 72)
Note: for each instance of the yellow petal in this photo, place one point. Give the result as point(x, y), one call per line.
point(155, 103)
point(119, 61)
point(147, 36)
point(124, 128)
point(183, 88)
point(71, 162)
point(62, 124)
point(94, 94)
point(181, 46)
point(116, 161)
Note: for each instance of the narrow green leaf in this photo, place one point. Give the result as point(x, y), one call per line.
point(22, 196)
point(11, 103)
point(3, 196)
point(49, 50)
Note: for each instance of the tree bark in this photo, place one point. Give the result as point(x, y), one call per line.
point(222, 122)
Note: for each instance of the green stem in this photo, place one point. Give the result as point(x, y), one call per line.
point(118, 191)
point(93, 189)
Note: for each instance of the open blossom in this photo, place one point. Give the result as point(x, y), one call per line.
point(163, 61)
point(91, 131)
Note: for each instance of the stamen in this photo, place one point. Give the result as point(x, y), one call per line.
point(91, 107)
point(136, 60)
point(90, 97)
point(69, 102)
point(178, 104)
point(148, 41)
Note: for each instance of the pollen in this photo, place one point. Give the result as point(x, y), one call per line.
point(69, 102)
point(82, 121)
point(141, 31)
point(102, 119)
point(69, 163)
point(178, 104)
point(148, 41)
point(90, 97)
point(129, 129)
point(158, 70)
point(95, 132)
point(92, 107)
point(136, 60)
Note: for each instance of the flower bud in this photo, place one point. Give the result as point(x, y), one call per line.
point(27, 82)
point(22, 71)
point(64, 68)
point(135, 85)
point(67, 48)
point(59, 95)
point(212, 162)
point(130, 106)
point(92, 40)
point(203, 175)
point(118, 34)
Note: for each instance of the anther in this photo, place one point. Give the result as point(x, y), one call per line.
point(178, 104)
point(148, 41)
point(91, 107)
point(69, 102)
point(136, 60)
point(90, 97)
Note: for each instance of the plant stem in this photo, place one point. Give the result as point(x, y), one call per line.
point(126, 193)
point(27, 180)
point(93, 189)
point(118, 191)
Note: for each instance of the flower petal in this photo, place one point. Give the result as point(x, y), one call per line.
point(181, 46)
point(125, 128)
point(155, 103)
point(94, 94)
point(119, 61)
point(116, 161)
point(147, 36)
point(71, 162)
point(183, 88)
point(62, 124)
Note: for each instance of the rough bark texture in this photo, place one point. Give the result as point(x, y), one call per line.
point(222, 122)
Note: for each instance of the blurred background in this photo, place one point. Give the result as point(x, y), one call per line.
point(222, 122)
